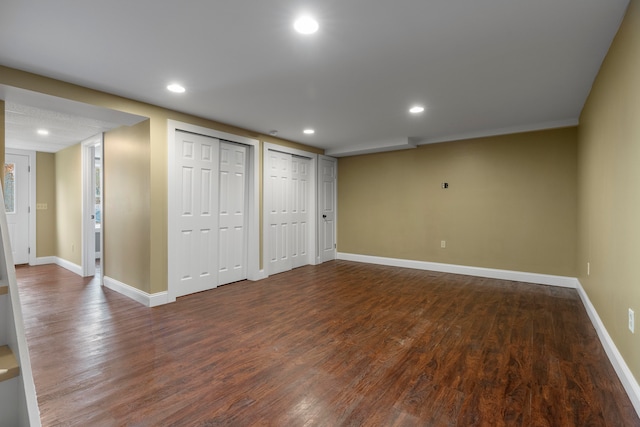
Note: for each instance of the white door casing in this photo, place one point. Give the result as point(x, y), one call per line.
point(328, 171)
point(197, 183)
point(232, 234)
point(17, 189)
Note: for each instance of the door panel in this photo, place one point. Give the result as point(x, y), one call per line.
point(232, 233)
point(300, 211)
point(279, 212)
point(16, 180)
point(288, 207)
point(328, 177)
point(197, 162)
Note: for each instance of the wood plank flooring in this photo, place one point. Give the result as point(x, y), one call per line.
point(341, 344)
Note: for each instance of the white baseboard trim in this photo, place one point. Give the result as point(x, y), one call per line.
point(149, 300)
point(74, 268)
point(45, 260)
point(622, 369)
point(492, 273)
point(261, 274)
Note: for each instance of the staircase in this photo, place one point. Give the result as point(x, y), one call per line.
point(18, 403)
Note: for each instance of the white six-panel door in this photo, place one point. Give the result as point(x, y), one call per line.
point(213, 216)
point(288, 201)
point(328, 172)
point(197, 174)
point(279, 211)
point(232, 234)
point(300, 210)
point(212, 221)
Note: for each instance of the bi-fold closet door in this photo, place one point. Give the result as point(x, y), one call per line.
point(212, 221)
point(289, 209)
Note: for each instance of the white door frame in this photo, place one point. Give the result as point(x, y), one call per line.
point(313, 197)
point(253, 227)
point(32, 199)
point(89, 205)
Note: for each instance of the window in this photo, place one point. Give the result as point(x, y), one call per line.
point(10, 187)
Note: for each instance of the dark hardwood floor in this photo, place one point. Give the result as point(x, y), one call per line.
point(341, 344)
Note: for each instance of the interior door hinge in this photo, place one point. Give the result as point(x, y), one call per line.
point(335, 246)
point(28, 168)
point(29, 209)
point(29, 250)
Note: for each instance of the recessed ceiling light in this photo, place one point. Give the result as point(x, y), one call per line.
point(176, 88)
point(416, 109)
point(309, 131)
point(306, 25)
point(43, 132)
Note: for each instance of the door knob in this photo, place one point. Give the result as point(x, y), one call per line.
point(324, 216)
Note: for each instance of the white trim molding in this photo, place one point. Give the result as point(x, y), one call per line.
point(45, 260)
point(144, 298)
point(260, 275)
point(492, 273)
point(622, 369)
point(74, 268)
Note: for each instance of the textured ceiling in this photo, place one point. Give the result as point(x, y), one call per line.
point(68, 122)
point(64, 129)
point(480, 67)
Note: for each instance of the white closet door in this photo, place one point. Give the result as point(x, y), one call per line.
point(279, 212)
point(232, 233)
point(300, 210)
point(196, 172)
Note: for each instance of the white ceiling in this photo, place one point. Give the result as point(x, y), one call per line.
point(68, 122)
point(480, 67)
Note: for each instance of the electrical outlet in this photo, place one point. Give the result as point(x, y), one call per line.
point(631, 321)
point(443, 244)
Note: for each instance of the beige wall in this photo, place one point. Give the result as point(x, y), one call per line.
point(158, 152)
point(46, 194)
point(511, 203)
point(127, 205)
point(68, 172)
point(609, 196)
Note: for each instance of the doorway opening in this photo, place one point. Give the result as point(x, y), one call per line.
point(92, 216)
